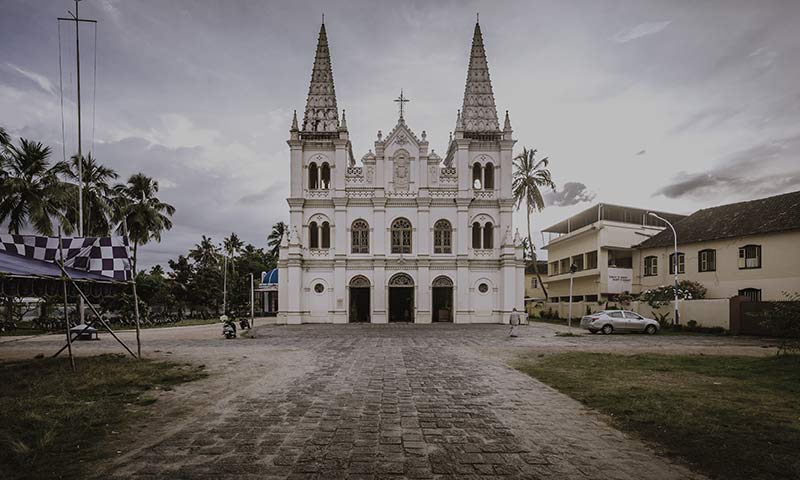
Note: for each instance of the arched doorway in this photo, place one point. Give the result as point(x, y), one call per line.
point(401, 298)
point(442, 299)
point(359, 299)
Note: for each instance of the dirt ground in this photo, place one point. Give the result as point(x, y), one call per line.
point(375, 401)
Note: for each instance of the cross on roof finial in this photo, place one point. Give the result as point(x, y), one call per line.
point(401, 100)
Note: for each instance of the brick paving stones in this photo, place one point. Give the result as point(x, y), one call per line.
point(396, 401)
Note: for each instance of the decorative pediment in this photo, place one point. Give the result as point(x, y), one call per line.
point(402, 136)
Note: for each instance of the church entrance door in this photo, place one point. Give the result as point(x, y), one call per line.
point(359, 300)
point(401, 298)
point(442, 299)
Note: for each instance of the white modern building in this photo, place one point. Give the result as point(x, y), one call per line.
point(404, 235)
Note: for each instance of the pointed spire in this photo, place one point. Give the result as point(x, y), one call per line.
point(343, 126)
point(507, 123)
point(294, 122)
point(459, 122)
point(321, 115)
point(478, 110)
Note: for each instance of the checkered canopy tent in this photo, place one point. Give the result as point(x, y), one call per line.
point(105, 256)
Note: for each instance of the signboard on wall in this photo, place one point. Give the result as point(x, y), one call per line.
point(620, 280)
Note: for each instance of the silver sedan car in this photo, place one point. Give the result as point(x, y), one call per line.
point(610, 321)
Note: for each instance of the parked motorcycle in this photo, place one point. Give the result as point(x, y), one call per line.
point(229, 330)
point(228, 327)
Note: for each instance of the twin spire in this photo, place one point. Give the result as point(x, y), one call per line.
point(322, 115)
point(478, 114)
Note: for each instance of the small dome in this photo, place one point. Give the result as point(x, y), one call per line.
point(270, 278)
point(368, 156)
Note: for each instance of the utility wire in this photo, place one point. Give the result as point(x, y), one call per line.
point(94, 87)
point(61, 87)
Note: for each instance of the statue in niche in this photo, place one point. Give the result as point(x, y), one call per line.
point(370, 174)
point(401, 173)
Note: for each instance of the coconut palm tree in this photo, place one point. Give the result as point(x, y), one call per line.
point(30, 190)
point(205, 252)
point(231, 245)
point(275, 237)
point(530, 175)
point(98, 194)
point(139, 213)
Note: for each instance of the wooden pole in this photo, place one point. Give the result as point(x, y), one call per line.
point(136, 312)
point(94, 310)
point(66, 313)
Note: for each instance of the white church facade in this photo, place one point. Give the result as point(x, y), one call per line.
point(404, 235)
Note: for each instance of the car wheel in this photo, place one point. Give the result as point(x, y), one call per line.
point(607, 329)
point(650, 330)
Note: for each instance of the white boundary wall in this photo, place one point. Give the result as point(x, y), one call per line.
point(707, 313)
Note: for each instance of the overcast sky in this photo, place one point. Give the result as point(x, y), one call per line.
point(671, 105)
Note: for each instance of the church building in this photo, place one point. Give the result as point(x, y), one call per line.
point(404, 235)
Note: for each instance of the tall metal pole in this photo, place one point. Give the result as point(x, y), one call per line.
point(80, 146)
point(252, 307)
point(675, 320)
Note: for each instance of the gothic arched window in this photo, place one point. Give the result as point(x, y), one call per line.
point(476, 235)
point(401, 236)
point(326, 235)
point(325, 176)
point(442, 237)
point(488, 177)
point(313, 176)
point(477, 176)
point(488, 235)
point(313, 235)
point(360, 237)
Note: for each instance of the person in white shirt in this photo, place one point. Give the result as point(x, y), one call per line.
point(514, 321)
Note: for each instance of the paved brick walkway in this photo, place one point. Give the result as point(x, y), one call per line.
point(395, 402)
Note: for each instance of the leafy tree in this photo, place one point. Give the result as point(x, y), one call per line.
point(664, 295)
point(180, 277)
point(783, 319)
point(30, 190)
point(530, 175)
point(275, 237)
point(141, 214)
point(251, 260)
point(98, 194)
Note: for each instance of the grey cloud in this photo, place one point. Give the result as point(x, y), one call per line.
point(572, 193)
point(762, 169)
point(642, 30)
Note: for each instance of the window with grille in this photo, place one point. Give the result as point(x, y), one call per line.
point(442, 237)
point(750, 256)
point(577, 260)
point(591, 260)
point(752, 294)
point(401, 236)
point(681, 263)
point(707, 260)
point(650, 266)
point(360, 237)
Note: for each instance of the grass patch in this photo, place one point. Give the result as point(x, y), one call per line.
point(54, 421)
point(731, 417)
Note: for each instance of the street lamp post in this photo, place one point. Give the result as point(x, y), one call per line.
point(674, 262)
point(572, 269)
